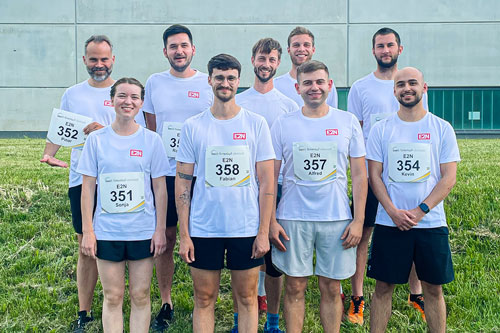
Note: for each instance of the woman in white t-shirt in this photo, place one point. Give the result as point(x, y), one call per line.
point(129, 164)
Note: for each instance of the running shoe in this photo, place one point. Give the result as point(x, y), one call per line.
point(417, 301)
point(262, 301)
point(356, 307)
point(272, 330)
point(163, 319)
point(78, 326)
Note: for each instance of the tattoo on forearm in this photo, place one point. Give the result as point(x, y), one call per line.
point(185, 197)
point(185, 176)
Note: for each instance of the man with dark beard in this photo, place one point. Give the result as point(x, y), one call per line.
point(264, 99)
point(89, 98)
point(172, 97)
point(371, 99)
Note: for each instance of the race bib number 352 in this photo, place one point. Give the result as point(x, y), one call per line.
point(227, 166)
point(170, 135)
point(315, 161)
point(409, 162)
point(122, 192)
point(66, 128)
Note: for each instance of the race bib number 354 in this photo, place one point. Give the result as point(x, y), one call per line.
point(66, 128)
point(227, 166)
point(122, 192)
point(315, 161)
point(409, 162)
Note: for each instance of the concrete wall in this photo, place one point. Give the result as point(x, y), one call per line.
point(455, 42)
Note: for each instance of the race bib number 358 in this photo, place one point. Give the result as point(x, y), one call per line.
point(315, 161)
point(409, 162)
point(227, 166)
point(122, 192)
point(66, 128)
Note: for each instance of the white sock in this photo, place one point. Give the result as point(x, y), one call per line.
point(262, 289)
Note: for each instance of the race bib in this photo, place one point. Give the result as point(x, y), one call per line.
point(170, 136)
point(66, 128)
point(227, 166)
point(121, 192)
point(315, 161)
point(409, 162)
point(376, 117)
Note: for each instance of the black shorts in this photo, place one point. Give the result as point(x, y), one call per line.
point(370, 208)
point(75, 202)
point(209, 253)
point(172, 217)
point(123, 250)
point(393, 251)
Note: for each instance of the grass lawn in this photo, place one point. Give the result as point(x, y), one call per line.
point(38, 251)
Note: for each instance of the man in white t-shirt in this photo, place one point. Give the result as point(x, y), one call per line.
point(233, 197)
point(316, 145)
point(412, 157)
point(264, 99)
point(371, 99)
point(301, 49)
point(172, 97)
point(90, 98)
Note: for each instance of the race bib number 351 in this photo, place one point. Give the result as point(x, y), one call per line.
point(227, 166)
point(315, 161)
point(170, 136)
point(409, 162)
point(66, 128)
point(122, 192)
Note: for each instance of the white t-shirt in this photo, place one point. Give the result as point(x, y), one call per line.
point(106, 153)
point(88, 101)
point(174, 99)
point(308, 200)
point(270, 105)
point(432, 133)
point(371, 99)
point(286, 85)
point(225, 211)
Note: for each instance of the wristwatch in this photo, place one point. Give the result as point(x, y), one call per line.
point(424, 208)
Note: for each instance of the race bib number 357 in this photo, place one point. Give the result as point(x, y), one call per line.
point(66, 128)
point(409, 162)
point(170, 136)
point(122, 192)
point(227, 166)
point(315, 161)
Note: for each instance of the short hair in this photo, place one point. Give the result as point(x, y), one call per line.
point(98, 39)
point(386, 31)
point(300, 31)
point(311, 66)
point(174, 30)
point(129, 80)
point(266, 45)
point(223, 62)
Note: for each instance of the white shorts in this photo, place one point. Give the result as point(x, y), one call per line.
point(306, 237)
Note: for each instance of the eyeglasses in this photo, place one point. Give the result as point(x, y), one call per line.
point(221, 78)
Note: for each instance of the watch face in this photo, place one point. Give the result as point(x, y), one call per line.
point(424, 208)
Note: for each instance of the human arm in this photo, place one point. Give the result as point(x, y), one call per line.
point(183, 180)
point(94, 126)
point(265, 175)
point(48, 155)
point(275, 229)
point(89, 243)
point(159, 241)
point(150, 121)
point(353, 231)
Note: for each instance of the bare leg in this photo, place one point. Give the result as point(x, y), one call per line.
point(330, 306)
point(435, 308)
point(294, 303)
point(206, 288)
point(113, 285)
point(86, 278)
point(165, 267)
point(361, 256)
point(140, 273)
point(414, 282)
point(381, 306)
point(245, 290)
point(273, 292)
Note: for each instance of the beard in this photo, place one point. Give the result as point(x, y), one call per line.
point(297, 64)
point(411, 104)
point(99, 78)
point(389, 64)
point(224, 98)
point(182, 68)
point(264, 79)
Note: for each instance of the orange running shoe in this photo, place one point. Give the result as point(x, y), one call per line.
point(356, 307)
point(417, 301)
point(262, 301)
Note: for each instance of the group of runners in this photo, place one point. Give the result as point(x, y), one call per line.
point(269, 165)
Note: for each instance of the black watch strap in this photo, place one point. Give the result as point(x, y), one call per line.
point(424, 208)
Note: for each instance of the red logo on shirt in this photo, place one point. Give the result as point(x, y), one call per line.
point(193, 94)
point(108, 103)
point(332, 131)
point(424, 136)
point(239, 136)
point(136, 152)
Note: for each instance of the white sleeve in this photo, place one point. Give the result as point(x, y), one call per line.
point(64, 102)
point(357, 142)
point(449, 148)
point(276, 138)
point(265, 149)
point(354, 103)
point(148, 106)
point(374, 149)
point(159, 163)
point(186, 153)
point(87, 165)
point(333, 98)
